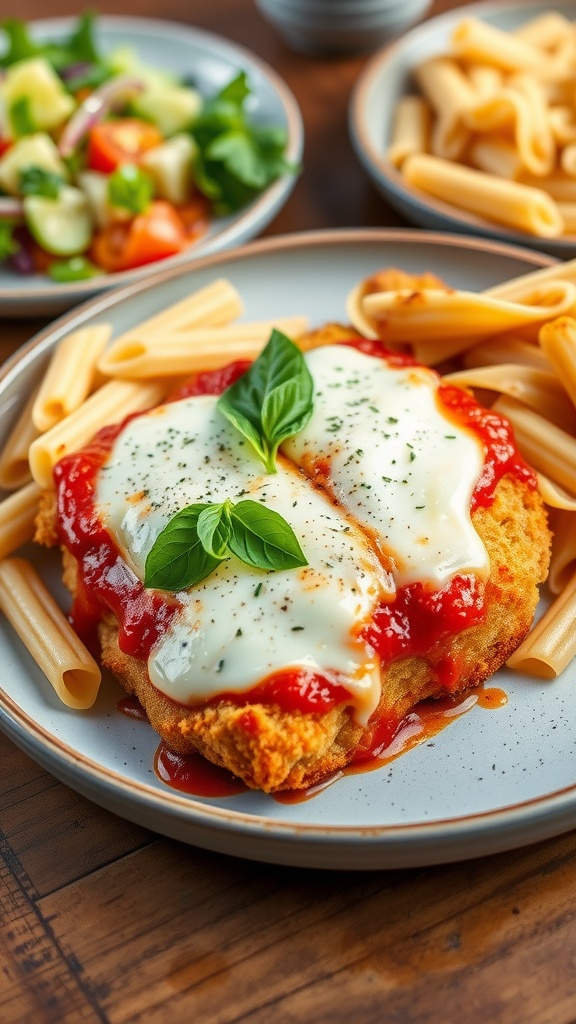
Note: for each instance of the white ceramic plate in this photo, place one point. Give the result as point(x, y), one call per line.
point(388, 76)
point(211, 62)
point(491, 781)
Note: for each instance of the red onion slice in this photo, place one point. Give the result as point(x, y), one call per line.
point(94, 108)
point(11, 209)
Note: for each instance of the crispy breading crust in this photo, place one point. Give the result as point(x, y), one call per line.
point(271, 749)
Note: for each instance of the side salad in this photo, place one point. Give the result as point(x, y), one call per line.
point(107, 164)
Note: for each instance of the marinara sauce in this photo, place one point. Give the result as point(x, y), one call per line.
point(420, 621)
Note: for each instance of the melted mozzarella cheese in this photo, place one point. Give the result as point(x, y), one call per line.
point(397, 462)
point(240, 624)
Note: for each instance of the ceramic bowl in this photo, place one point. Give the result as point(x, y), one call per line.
point(330, 25)
point(387, 77)
point(211, 62)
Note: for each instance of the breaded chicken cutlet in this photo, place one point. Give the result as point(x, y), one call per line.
point(415, 585)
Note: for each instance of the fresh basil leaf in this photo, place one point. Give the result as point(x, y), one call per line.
point(214, 529)
point(236, 91)
point(262, 538)
point(77, 268)
point(39, 182)
point(177, 559)
point(272, 401)
point(236, 158)
point(20, 117)
point(198, 538)
point(130, 188)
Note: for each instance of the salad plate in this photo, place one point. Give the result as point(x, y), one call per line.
point(387, 77)
point(210, 63)
point(492, 780)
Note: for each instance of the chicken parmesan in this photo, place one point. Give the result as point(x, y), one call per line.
point(423, 541)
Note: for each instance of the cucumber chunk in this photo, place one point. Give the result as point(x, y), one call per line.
point(62, 226)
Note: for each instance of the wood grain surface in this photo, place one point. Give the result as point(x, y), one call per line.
point(101, 921)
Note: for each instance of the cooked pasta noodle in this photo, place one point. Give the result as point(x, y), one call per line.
point(70, 375)
point(507, 202)
point(17, 516)
point(539, 389)
point(146, 356)
point(411, 129)
point(563, 560)
point(45, 631)
point(551, 645)
point(545, 446)
point(503, 123)
point(14, 464)
point(111, 403)
point(558, 342)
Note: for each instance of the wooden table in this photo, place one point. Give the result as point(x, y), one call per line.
point(101, 921)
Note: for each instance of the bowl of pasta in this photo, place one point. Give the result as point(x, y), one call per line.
point(125, 142)
point(467, 124)
point(86, 417)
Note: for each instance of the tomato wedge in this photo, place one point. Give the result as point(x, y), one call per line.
point(111, 143)
point(151, 236)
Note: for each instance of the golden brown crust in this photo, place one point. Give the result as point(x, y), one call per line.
point(271, 749)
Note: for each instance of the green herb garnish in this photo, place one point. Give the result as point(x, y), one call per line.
point(35, 181)
point(77, 268)
point(77, 48)
point(130, 188)
point(8, 244)
point(236, 159)
point(198, 538)
point(20, 117)
point(273, 400)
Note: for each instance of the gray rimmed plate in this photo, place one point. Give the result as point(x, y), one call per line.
point(211, 61)
point(491, 781)
point(387, 77)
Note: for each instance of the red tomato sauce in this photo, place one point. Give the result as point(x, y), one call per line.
point(419, 622)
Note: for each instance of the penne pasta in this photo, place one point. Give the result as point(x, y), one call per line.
point(568, 160)
point(505, 349)
point(568, 214)
point(411, 129)
point(554, 495)
point(112, 403)
point(518, 286)
point(545, 31)
point(431, 315)
point(507, 202)
point(485, 79)
point(14, 464)
point(562, 120)
point(551, 645)
point(70, 375)
point(520, 108)
point(559, 186)
point(475, 40)
point(558, 342)
point(450, 93)
point(539, 389)
point(44, 630)
point(496, 155)
point(142, 356)
point(563, 560)
point(17, 516)
point(213, 306)
point(547, 448)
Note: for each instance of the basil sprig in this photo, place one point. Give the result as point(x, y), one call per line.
point(273, 400)
point(199, 537)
